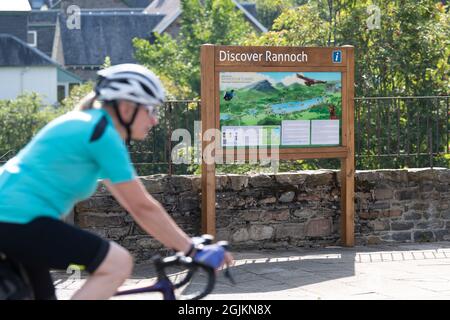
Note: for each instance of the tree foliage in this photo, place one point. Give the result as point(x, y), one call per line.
point(21, 119)
point(177, 61)
point(406, 54)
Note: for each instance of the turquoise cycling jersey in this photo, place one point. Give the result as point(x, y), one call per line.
point(62, 165)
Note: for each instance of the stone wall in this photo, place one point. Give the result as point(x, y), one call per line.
point(287, 209)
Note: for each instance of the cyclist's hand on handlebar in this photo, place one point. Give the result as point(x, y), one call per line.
point(212, 255)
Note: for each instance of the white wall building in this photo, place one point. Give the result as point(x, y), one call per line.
point(24, 69)
point(15, 81)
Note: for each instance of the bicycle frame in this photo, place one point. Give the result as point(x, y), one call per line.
point(164, 286)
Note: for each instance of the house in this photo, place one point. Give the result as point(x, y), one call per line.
point(106, 28)
point(14, 18)
point(89, 4)
point(103, 33)
point(23, 67)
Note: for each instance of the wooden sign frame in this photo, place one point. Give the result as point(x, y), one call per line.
point(317, 60)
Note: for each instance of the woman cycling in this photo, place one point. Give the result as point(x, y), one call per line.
point(62, 165)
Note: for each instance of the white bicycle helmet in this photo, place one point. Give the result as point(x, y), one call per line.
point(130, 82)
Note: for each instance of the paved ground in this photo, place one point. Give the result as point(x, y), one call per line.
point(407, 271)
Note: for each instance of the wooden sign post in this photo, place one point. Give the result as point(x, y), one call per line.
point(297, 99)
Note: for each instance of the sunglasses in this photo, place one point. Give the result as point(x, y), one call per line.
point(153, 111)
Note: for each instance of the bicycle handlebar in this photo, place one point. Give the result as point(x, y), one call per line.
point(166, 287)
point(192, 266)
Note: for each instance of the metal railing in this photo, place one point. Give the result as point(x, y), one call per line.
point(390, 132)
point(402, 131)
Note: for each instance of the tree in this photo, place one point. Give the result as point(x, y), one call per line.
point(406, 54)
point(177, 61)
point(20, 120)
point(77, 93)
point(268, 10)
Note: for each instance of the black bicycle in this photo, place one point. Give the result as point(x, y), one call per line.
point(173, 273)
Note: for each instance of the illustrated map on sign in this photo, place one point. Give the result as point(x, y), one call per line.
point(292, 109)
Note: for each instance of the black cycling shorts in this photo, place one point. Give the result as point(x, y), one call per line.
point(47, 243)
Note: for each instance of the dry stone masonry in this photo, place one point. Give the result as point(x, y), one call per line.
point(287, 209)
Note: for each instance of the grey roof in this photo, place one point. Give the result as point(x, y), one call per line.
point(251, 8)
point(105, 33)
point(18, 53)
point(172, 10)
point(250, 17)
point(40, 17)
point(44, 23)
point(137, 3)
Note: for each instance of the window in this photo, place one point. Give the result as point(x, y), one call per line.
point(32, 38)
point(62, 90)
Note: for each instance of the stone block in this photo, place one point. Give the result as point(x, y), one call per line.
point(401, 236)
point(373, 240)
point(318, 227)
point(261, 180)
point(269, 200)
point(443, 175)
point(412, 215)
point(420, 206)
point(383, 194)
point(379, 205)
point(441, 235)
point(379, 225)
point(434, 224)
point(426, 187)
point(98, 220)
point(393, 213)
point(118, 233)
point(282, 215)
point(420, 175)
point(223, 234)
point(368, 215)
point(290, 179)
point(260, 232)
point(320, 178)
point(181, 183)
point(148, 243)
point(250, 215)
point(308, 197)
point(290, 230)
point(238, 182)
point(304, 213)
point(188, 204)
point(240, 235)
point(445, 214)
point(423, 236)
point(398, 225)
point(406, 194)
point(196, 184)
point(287, 196)
point(153, 185)
point(394, 176)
